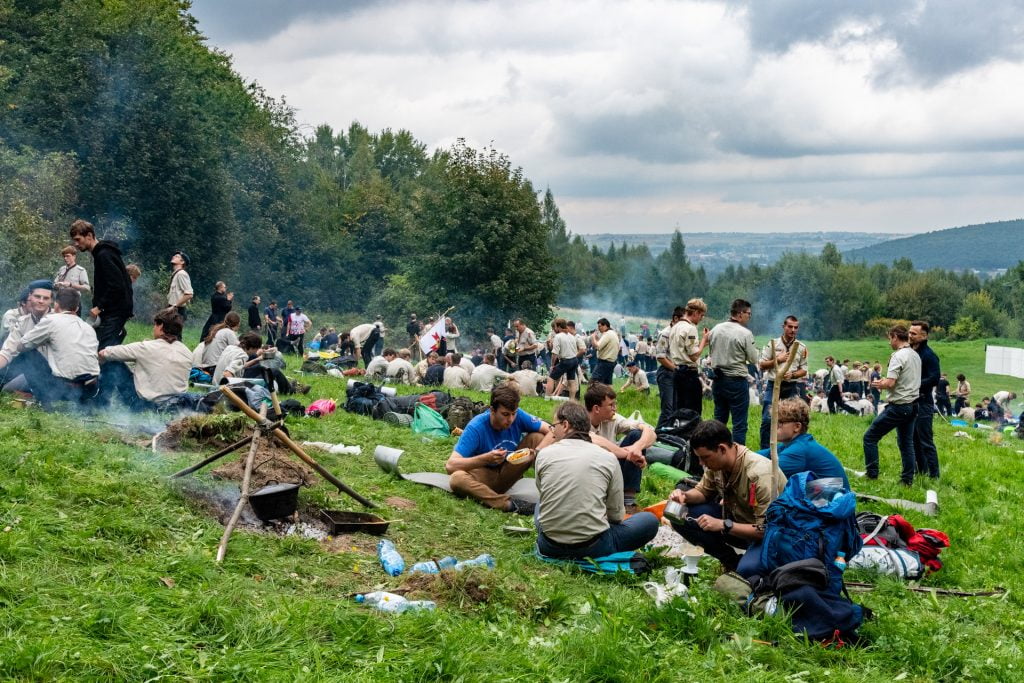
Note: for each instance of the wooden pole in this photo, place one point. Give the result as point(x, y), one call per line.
point(776, 388)
point(243, 499)
point(295, 448)
point(216, 456)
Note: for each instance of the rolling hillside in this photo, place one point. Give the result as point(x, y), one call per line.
point(985, 247)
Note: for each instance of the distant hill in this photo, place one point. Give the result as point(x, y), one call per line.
point(716, 250)
point(986, 247)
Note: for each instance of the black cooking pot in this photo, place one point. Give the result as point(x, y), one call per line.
point(275, 501)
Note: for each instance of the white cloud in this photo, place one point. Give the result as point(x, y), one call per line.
point(716, 115)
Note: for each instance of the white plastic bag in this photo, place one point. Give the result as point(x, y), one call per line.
point(903, 564)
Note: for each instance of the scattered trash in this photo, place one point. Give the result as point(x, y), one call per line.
point(433, 566)
point(389, 602)
point(389, 557)
point(673, 587)
point(336, 448)
point(963, 435)
point(517, 530)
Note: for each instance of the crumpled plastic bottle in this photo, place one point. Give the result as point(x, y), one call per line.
point(389, 557)
point(390, 602)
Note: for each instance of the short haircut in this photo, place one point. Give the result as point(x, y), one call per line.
point(559, 323)
point(169, 319)
point(527, 365)
point(68, 299)
point(696, 305)
point(505, 396)
point(68, 251)
point(80, 227)
point(900, 332)
point(388, 352)
point(456, 358)
point(791, 318)
point(604, 321)
point(795, 410)
point(596, 394)
point(710, 434)
point(678, 311)
point(488, 358)
point(961, 378)
point(575, 415)
point(250, 341)
point(404, 353)
point(923, 324)
point(739, 306)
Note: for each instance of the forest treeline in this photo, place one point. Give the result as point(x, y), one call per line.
point(121, 113)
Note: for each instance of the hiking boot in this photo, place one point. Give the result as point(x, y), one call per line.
point(300, 388)
point(521, 507)
point(632, 508)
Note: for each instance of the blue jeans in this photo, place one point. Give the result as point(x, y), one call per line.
point(667, 393)
point(629, 534)
point(926, 455)
point(732, 397)
point(603, 372)
point(902, 418)
point(631, 474)
point(722, 547)
point(788, 390)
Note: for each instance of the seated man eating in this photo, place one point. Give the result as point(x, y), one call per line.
point(477, 465)
point(580, 512)
point(162, 366)
point(798, 451)
point(727, 508)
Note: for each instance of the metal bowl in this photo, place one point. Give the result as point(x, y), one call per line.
point(675, 511)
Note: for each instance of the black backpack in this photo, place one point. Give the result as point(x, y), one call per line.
point(361, 398)
point(676, 433)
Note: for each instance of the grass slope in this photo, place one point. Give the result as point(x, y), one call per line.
point(107, 573)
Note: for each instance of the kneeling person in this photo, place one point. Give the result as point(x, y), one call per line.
point(477, 465)
point(727, 508)
point(162, 365)
point(581, 512)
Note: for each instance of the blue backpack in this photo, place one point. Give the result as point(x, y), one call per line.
point(798, 530)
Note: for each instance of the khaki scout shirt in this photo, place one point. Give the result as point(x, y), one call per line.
point(776, 346)
point(683, 343)
point(748, 490)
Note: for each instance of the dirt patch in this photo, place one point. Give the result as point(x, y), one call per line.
point(271, 464)
point(400, 503)
point(364, 544)
point(450, 586)
point(203, 430)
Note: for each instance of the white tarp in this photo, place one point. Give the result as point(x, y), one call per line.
point(1004, 360)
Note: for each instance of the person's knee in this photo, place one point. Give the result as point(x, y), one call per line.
point(646, 523)
point(460, 482)
point(531, 440)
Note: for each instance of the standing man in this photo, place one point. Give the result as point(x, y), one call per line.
point(254, 314)
point(775, 355)
point(665, 376)
point(298, 326)
point(836, 378)
point(564, 358)
point(112, 297)
point(180, 292)
point(903, 380)
point(72, 275)
point(273, 322)
point(606, 346)
point(732, 350)
point(685, 345)
point(526, 344)
point(413, 329)
point(925, 453)
point(942, 396)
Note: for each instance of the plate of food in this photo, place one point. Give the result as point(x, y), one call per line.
point(518, 456)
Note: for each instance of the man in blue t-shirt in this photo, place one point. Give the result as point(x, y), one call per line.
point(477, 465)
point(798, 451)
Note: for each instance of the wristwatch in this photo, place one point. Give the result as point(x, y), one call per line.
point(726, 527)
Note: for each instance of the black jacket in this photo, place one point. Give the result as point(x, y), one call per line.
point(112, 288)
point(929, 372)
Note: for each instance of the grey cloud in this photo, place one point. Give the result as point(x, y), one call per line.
point(228, 21)
point(935, 38)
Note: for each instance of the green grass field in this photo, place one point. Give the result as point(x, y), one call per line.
point(107, 573)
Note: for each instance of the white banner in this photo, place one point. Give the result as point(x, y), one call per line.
point(431, 339)
point(1004, 360)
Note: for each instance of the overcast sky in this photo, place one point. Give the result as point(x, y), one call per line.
point(771, 115)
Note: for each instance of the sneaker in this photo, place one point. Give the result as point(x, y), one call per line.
point(521, 507)
point(632, 508)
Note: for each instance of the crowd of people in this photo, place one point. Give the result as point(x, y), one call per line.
point(589, 459)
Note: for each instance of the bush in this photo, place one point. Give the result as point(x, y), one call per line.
point(879, 327)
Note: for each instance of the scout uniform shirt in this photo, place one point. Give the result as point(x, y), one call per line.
point(748, 490)
point(683, 342)
point(776, 346)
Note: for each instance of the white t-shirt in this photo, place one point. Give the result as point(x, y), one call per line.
point(297, 323)
point(483, 377)
point(456, 378)
point(67, 342)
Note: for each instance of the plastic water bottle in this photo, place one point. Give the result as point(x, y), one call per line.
point(389, 602)
point(840, 561)
point(432, 567)
point(484, 560)
point(389, 558)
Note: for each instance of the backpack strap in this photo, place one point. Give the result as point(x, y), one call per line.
point(874, 532)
